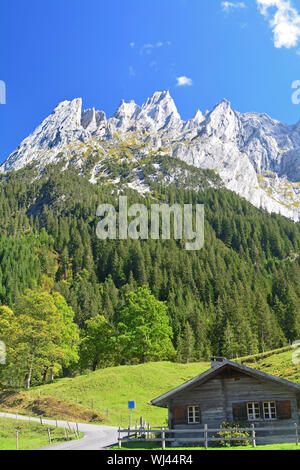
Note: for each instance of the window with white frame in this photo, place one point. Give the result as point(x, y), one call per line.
point(193, 413)
point(269, 408)
point(253, 411)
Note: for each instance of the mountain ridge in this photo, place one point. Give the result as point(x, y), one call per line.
point(256, 156)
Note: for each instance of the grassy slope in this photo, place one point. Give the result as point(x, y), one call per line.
point(31, 404)
point(280, 365)
point(31, 435)
point(112, 388)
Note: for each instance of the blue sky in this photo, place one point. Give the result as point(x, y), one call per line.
point(201, 50)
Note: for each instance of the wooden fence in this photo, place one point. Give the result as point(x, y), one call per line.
point(163, 435)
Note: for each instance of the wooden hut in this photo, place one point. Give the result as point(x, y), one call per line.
point(230, 392)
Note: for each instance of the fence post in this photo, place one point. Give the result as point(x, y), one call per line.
point(17, 440)
point(297, 435)
point(119, 438)
point(77, 429)
point(253, 435)
point(49, 436)
point(163, 439)
point(205, 437)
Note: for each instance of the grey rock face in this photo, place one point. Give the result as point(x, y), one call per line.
point(256, 156)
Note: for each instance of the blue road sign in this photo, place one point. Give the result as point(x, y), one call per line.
point(131, 405)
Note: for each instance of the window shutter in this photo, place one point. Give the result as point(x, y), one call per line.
point(239, 411)
point(179, 415)
point(283, 409)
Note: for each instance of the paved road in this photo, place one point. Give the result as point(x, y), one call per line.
point(95, 437)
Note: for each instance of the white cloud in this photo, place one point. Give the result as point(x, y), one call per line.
point(227, 6)
point(132, 44)
point(184, 81)
point(132, 71)
point(285, 22)
point(149, 47)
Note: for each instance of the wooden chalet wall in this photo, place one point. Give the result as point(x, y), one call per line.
point(224, 398)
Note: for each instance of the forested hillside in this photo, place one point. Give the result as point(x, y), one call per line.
point(239, 295)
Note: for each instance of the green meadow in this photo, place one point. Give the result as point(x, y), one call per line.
point(107, 391)
point(31, 435)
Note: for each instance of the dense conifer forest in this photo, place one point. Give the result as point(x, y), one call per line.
point(239, 295)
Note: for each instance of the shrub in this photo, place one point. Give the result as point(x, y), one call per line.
point(232, 430)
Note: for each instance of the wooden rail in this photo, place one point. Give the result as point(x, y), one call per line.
point(164, 435)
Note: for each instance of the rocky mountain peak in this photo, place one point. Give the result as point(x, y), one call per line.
point(198, 116)
point(88, 119)
point(160, 106)
point(66, 112)
point(222, 108)
point(194, 123)
point(222, 121)
point(157, 97)
point(255, 155)
point(127, 110)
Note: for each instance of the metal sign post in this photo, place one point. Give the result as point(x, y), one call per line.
point(131, 406)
